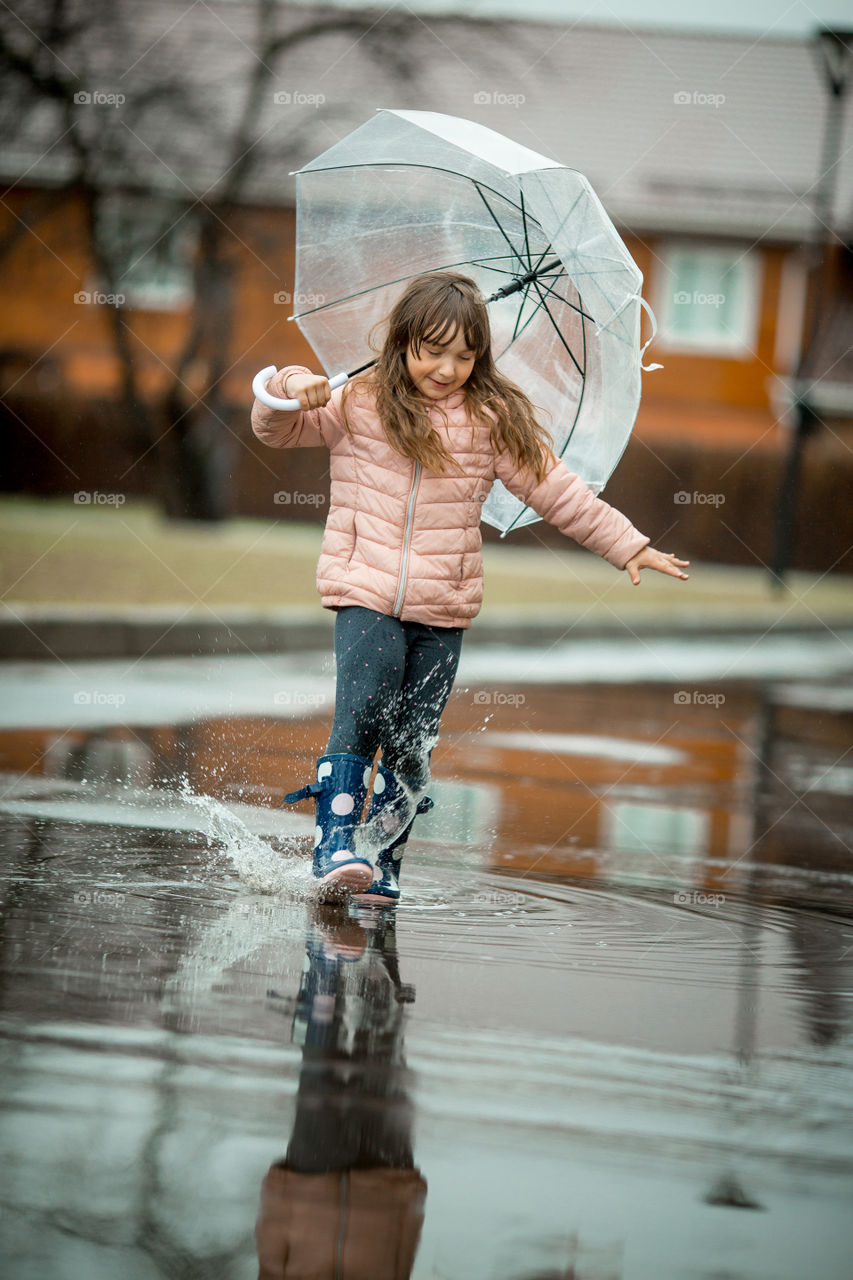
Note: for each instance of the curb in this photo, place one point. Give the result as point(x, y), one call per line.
point(51, 634)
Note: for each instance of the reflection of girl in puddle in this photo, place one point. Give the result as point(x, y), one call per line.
point(347, 1200)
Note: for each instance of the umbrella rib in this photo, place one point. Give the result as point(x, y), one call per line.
point(524, 298)
point(570, 431)
point(584, 314)
point(626, 341)
point(578, 307)
point(524, 224)
point(485, 263)
point(550, 286)
point(544, 304)
point(541, 307)
point(569, 213)
point(498, 225)
point(408, 164)
point(530, 318)
point(361, 293)
point(477, 262)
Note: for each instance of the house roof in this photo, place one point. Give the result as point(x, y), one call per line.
point(676, 131)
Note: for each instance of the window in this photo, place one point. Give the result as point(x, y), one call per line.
point(150, 244)
point(708, 299)
point(634, 827)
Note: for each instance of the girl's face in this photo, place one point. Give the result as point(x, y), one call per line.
point(441, 366)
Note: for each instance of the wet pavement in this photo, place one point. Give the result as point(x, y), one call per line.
point(606, 1034)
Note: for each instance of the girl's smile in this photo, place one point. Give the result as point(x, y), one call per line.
point(441, 366)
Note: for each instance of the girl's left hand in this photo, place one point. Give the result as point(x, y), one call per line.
point(662, 561)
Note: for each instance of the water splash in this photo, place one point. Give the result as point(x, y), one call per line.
point(376, 834)
point(279, 869)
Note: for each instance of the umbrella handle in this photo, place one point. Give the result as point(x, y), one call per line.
point(259, 386)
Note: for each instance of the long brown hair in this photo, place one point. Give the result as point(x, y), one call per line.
point(431, 307)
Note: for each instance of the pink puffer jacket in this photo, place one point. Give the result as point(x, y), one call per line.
point(406, 542)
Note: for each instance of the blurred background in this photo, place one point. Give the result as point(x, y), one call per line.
point(146, 242)
point(627, 921)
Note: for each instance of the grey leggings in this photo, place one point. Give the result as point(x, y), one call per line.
point(394, 679)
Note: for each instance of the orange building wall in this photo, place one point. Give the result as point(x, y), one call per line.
point(48, 267)
point(706, 423)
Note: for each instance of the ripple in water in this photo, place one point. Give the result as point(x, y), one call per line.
point(606, 931)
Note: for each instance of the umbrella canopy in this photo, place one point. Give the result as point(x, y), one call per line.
point(412, 192)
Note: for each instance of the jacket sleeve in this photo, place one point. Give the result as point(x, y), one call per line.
point(282, 429)
point(564, 501)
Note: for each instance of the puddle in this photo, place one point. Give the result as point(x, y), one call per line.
point(606, 1034)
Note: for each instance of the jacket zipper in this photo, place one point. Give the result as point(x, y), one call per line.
point(404, 560)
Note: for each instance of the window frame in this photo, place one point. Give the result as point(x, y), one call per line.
point(739, 344)
point(179, 230)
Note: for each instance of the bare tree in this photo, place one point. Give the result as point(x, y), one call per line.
point(198, 165)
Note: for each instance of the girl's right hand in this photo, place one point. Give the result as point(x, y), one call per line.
point(312, 390)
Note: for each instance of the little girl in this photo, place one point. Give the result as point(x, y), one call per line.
point(416, 443)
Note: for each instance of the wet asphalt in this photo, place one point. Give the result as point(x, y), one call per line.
point(606, 1033)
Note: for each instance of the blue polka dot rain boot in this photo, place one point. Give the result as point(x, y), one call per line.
point(339, 794)
point(385, 889)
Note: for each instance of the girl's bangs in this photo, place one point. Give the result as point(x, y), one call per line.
point(449, 314)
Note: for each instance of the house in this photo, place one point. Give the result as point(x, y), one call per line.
point(177, 143)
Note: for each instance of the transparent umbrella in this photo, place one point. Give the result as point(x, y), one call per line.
point(412, 192)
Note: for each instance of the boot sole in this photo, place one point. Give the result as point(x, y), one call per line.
point(376, 900)
point(352, 878)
